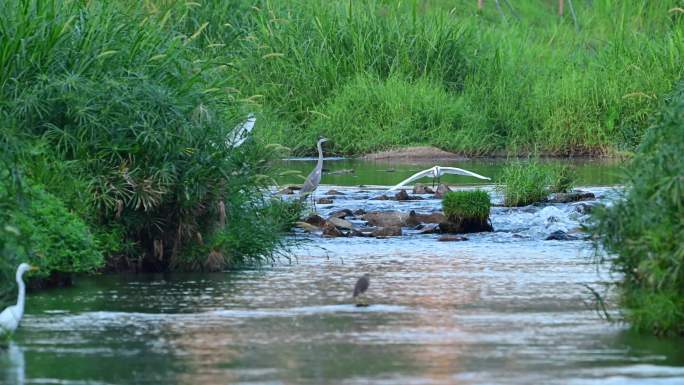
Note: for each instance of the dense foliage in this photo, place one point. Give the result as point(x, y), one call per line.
point(524, 183)
point(643, 231)
point(466, 204)
point(527, 82)
point(119, 112)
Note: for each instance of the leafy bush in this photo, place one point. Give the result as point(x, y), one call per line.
point(466, 204)
point(643, 231)
point(56, 239)
point(524, 183)
point(131, 107)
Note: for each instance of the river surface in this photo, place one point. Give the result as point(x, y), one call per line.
point(506, 307)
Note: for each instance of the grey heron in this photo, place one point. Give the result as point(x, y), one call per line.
point(241, 132)
point(436, 172)
point(314, 179)
point(360, 288)
point(10, 317)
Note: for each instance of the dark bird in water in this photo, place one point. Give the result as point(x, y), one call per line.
point(360, 288)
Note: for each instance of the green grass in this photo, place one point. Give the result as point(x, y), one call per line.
point(563, 178)
point(533, 84)
point(642, 231)
point(469, 205)
point(524, 183)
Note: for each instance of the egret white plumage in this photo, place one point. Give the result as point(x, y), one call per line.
point(314, 179)
point(11, 317)
point(241, 132)
point(436, 172)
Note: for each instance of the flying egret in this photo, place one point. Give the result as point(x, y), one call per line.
point(10, 317)
point(360, 288)
point(436, 172)
point(314, 179)
point(241, 132)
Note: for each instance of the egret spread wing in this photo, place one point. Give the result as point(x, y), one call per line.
point(418, 175)
point(241, 132)
point(460, 171)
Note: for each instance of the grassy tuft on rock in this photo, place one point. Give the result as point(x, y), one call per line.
point(524, 183)
point(472, 205)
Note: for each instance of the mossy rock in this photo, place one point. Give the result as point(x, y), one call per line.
point(466, 212)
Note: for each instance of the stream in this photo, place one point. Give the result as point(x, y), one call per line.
point(506, 307)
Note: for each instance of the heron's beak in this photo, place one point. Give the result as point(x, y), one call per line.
point(33, 268)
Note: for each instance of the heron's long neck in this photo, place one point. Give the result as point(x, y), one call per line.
point(21, 298)
point(320, 156)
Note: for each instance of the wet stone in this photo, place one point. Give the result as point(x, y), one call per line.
point(402, 195)
point(341, 223)
point(315, 220)
point(329, 230)
point(386, 218)
point(333, 192)
point(324, 201)
point(359, 212)
point(420, 188)
point(560, 235)
point(452, 238)
point(572, 196)
point(341, 214)
point(414, 218)
point(390, 231)
point(441, 190)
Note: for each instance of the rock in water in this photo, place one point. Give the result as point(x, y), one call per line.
point(341, 223)
point(441, 190)
point(324, 201)
point(414, 219)
point(315, 220)
point(452, 238)
point(333, 192)
point(572, 196)
point(386, 218)
point(331, 231)
point(560, 235)
point(341, 214)
point(390, 231)
point(466, 226)
point(402, 195)
point(420, 188)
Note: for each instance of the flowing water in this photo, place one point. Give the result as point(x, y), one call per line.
point(506, 307)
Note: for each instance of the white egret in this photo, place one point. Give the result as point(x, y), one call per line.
point(436, 172)
point(314, 179)
point(10, 317)
point(241, 132)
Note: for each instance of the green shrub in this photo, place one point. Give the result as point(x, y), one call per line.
point(57, 240)
point(466, 205)
point(130, 107)
point(642, 231)
point(524, 183)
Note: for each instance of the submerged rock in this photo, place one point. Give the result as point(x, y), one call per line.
point(341, 214)
point(359, 212)
point(382, 197)
point(572, 196)
point(333, 192)
point(385, 218)
point(324, 201)
point(452, 238)
point(420, 188)
point(560, 235)
point(389, 231)
point(585, 208)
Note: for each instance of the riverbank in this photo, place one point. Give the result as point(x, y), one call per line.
point(380, 76)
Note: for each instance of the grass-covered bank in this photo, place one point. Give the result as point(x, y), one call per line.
point(375, 74)
point(113, 119)
point(643, 231)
